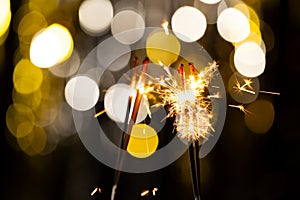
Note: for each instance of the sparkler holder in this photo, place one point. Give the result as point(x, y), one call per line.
point(128, 125)
point(195, 167)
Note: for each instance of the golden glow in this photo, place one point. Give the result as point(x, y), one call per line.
point(143, 141)
point(262, 117)
point(19, 120)
point(31, 100)
point(5, 17)
point(144, 193)
point(162, 48)
point(27, 78)
point(51, 46)
point(165, 25)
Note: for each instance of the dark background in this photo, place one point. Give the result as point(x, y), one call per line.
point(242, 165)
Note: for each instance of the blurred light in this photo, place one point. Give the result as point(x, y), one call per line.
point(249, 59)
point(268, 35)
point(188, 24)
point(31, 100)
point(116, 102)
point(261, 117)
point(162, 48)
point(68, 67)
point(242, 89)
point(46, 7)
point(27, 78)
point(143, 141)
point(51, 46)
point(128, 26)
point(19, 119)
point(233, 25)
point(5, 16)
point(81, 93)
point(29, 25)
point(210, 1)
point(95, 16)
point(113, 55)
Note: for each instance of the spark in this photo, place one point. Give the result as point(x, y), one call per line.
point(267, 92)
point(240, 107)
point(154, 191)
point(99, 113)
point(247, 83)
point(95, 190)
point(244, 90)
point(165, 25)
point(144, 193)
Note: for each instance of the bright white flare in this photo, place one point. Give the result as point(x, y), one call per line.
point(116, 101)
point(51, 46)
point(233, 25)
point(210, 1)
point(95, 16)
point(81, 93)
point(249, 59)
point(189, 24)
point(5, 16)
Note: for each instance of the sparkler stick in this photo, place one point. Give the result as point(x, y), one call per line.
point(128, 126)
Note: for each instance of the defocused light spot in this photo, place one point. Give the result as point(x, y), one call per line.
point(188, 24)
point(30, 24)
point(233, 25)
point(261, 116)
point(68, 67)
point(116, 102)
point(5, 16)
point(113, 55)
point(143, 141)
point(268, 35)
point(128, 26)
point(46, 7)
point(249, 59)
point(162, 48)
point(95, 16)
point(31, 100)
point(27, 78)
point(51, 46)
point(242, 89)
point(210, 1)
point(81, 93)
point(19, 115)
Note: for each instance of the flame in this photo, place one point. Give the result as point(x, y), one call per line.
point(165, 25)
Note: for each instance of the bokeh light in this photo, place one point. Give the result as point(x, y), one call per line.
point(128, 26)
point(51, 46)
point(188, 24)
point(210, 1)
point(249, 59)
point(5, 17)
point(27, 78)
point(143, 141)
point(116, 103)
point(162, 48)
point(95, 16)
point(82, 93)
point(233, 25)
point(261, 116)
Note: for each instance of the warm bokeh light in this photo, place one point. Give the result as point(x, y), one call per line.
point(233, 25)
point(29, 25)
point(31, 100)
point(27, 78)
point(143, 141)
point(128, 26)
point(116, 102)
point(46, 7)
point(51, 46)
point(82, 93)
point(5, 18)
point(95, 16)
point(261, 117)
point(162, 48)
point(188, 24)
point(242, 89)
point(19, 119)
point(249, 59)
